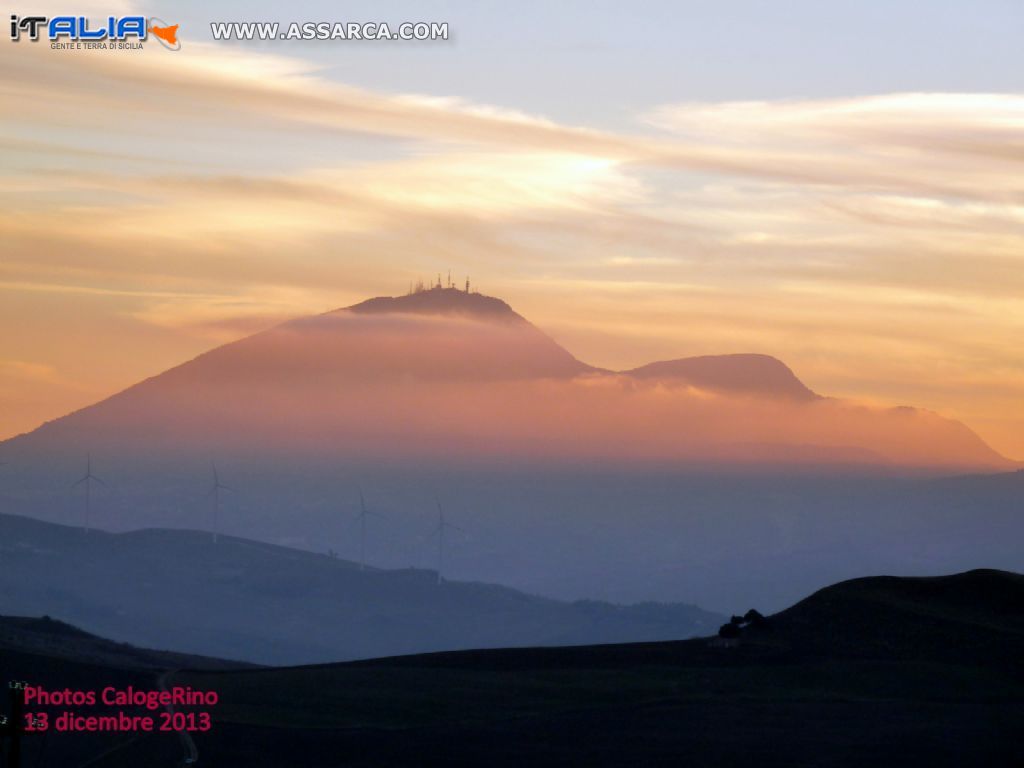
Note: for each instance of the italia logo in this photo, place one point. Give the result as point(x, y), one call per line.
point(165, 33)
point(81, 29)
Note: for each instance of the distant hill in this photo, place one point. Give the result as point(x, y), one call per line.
point(251, 601)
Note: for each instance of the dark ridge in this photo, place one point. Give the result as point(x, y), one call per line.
point(971, 617)
point(979, 594)
point(48, 626)
point(52, 638)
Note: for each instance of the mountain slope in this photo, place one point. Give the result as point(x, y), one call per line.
point(258, 602)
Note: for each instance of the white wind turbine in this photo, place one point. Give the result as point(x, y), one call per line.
point(361, 519)
point(442, 526)
point(214, 491)
point(89, 478)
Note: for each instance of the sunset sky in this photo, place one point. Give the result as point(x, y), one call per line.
point(840, 185)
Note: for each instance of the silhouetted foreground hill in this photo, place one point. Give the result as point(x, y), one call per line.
point(259, 602)
point(973, 617)
point(57, 656)
point(50, 637)
point(879, 671)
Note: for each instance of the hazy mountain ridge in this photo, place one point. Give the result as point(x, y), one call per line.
point(260, 602)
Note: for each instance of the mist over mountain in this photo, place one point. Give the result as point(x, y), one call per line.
point(709, 480)
point(449, 374)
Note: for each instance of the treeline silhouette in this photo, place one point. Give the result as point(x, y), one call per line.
point(734, 628)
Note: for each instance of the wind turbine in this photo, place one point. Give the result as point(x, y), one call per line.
point(442, 526)
point(361, 517)
point(218, 486)
point(88, 479)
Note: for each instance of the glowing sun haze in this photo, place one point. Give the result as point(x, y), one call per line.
point(153, 205)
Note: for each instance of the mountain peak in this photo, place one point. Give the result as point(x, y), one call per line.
point(440, 301)
point(751, 374)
